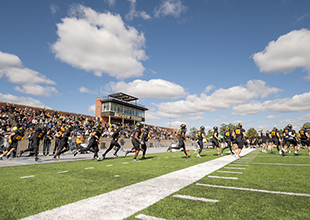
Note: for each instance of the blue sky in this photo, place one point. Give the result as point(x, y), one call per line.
point(203, 62)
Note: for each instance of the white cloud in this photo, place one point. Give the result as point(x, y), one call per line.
point(176, 124)
point(37, 90)
point(170, 7)
point(273, 117)
point(151, 116)
point(297, 103)
point(11, 67)
point(220, 99)
point(209, 88)
point(54, 8)
point(22, 100)
point(303, 119)
point(92, 108)
point(110, 2)
point(154, 88)
point(100, 43)
point(136, 14)
point(86, 90)
point(288, 52)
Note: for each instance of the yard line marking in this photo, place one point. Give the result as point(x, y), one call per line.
point(223, 177)
point(23, 177)
point(147, 217)
point(125, 163)
point(116, 176)
point(229, 172)
point(283, 164)
point(195, 198)
point(66, 171)
point(255, 190)
point(166, 157)
point(238, 165)
point(108, 204)
point(235, 168)
point(89, 168)
point(286, 157)
point(109, 165)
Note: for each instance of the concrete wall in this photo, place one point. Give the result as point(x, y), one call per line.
point(105, 143)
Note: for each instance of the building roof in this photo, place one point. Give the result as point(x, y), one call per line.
point(123, 97)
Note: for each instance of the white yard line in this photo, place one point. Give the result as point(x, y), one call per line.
point(24, 177)
point(195, 198)
point(228, 172)
point(147, 217)
point(124, 202)
point(255, 190)
point(223, 177)
point(235, 168)
point(238, 165)
point(66, 171)
point(283, 164)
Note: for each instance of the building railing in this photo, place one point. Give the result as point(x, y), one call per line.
point(111, 98)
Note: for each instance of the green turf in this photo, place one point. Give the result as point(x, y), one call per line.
point(48, 189)
point(237, 204)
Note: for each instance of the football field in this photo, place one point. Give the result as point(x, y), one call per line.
point(256, 186)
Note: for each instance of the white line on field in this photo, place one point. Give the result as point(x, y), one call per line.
point(107, 205)
point(24, 177)
point(89, 168)
point(284, 164)
point(238, 165)
point(66, 171)
point(255, 190)
point(109, 165)
point(223, 177)
point(147, 217)
point(229, 172)
point(116, 175)
point(125, 163)
point(234, 168)
point(195, 198)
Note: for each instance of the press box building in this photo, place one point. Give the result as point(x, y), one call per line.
point(120, 108)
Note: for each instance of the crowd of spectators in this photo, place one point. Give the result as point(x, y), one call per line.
point(27, 118)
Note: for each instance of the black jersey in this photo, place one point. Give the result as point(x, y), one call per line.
point(138, 130)
point(303, 134)
point(180, 134)
point(115, 135)
point(228, 136)
point(288, 133)
point(263, 137)
point(38, 135)
point(274, 134)
point(64, 140)
point(17, 137)
point(200, 134)
point(215, 134)
point(239, 133)
point(144, 136)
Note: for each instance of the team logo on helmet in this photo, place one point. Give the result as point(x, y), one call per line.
point(289, 126)
point(183, 126)
point(215, 128)
point(202, 128)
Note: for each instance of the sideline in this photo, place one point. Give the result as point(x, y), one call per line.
point(124, 202)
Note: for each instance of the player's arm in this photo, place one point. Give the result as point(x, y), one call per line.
point(244, 134)
point(137, 136)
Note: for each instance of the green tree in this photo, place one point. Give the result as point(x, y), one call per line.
point(208, 135)
point(307, 124)
point(251, 132)
point(192, 132)
point(224, 126)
